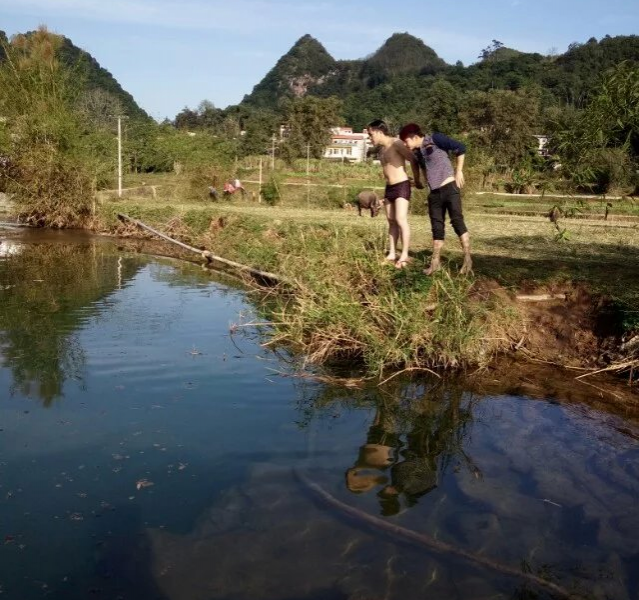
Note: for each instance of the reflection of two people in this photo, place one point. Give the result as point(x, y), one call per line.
point(402, 470)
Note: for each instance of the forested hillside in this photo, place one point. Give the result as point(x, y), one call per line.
point(92, 77)
point(396, 80)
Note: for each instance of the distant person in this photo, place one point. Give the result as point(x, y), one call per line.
point(445, 184)
point(237, 184)
point(229, 188)
point(213, 192)
point(397, 193)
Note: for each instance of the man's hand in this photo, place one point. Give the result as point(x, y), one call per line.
point(459, 179)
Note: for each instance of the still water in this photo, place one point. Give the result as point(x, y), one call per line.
point(152, 449)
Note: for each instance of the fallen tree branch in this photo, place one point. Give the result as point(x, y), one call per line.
point(206, 254)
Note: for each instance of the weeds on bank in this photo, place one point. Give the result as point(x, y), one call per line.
point(346, 304)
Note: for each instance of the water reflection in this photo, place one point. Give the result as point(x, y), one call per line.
point(410, 443)
point(495, 481)
point(49, 291)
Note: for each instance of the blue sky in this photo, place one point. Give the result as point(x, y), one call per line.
point(174, 53)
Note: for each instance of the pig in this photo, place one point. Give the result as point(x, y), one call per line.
point(368, 200)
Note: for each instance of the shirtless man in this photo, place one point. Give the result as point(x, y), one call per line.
point(397, 194)
point(445, 183)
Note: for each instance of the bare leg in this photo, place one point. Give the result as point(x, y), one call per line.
point(401, 218)
point(393, 231)
point(435, 263)
point(467, 267)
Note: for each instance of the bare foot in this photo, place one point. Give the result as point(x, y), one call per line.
point(390, 258)
point(467, 267)
point(434, 266)
point(401, 263)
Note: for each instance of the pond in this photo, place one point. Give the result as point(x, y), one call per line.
point(151, 447)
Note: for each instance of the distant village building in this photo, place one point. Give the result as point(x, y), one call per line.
point(542, 144)
point(346, 145)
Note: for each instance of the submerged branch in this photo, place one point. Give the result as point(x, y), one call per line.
point(427, 541)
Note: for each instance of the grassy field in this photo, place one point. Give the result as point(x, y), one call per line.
point(347, 304)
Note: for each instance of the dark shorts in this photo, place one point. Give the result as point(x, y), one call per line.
point(446, 199)
point(397, 190)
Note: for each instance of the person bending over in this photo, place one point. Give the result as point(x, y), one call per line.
point(397, 194)
point(445, 184)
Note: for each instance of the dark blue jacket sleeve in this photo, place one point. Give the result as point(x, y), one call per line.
point(448, 144)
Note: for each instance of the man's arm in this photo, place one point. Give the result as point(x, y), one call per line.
point(449, 144)
point(459, 171)
point(414, 165)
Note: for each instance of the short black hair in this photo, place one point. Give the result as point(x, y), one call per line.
point(410, 130)
point(379, 125)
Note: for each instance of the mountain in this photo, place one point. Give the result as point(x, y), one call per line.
point(395, 81)
point(400, 54)
point(307, 68)
point(306, 64)
point(3, 41)
point(94, 76)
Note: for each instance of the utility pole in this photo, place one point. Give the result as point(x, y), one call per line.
point(308, 170)
point(119, 118)
point(259, 189)
point(273, 153)
point(119, 156)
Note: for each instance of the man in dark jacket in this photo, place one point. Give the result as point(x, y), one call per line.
point(445, 183)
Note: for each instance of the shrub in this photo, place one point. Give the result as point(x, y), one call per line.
point(53, 170)
point(271, 191)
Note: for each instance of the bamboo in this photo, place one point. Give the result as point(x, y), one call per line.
point(206, 254)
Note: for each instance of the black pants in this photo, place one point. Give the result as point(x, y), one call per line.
point(446, 198)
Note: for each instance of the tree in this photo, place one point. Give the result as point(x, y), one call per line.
point(99, 108)
point(309, 121)
point(260, 127)
point(53, 163)
point(504, 122)
point(209, 117)
point(442, 103)
point(600, 145)
point(187, 119)
point(489, 51)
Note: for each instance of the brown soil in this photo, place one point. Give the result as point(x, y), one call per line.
point(604, 392)
point(578, 331)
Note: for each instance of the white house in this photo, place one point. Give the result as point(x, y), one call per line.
point(346, 145)
point(542, 144)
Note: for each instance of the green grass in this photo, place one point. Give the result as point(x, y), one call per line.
point(346, 304)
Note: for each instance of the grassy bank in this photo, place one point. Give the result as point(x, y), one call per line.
point(345, 304)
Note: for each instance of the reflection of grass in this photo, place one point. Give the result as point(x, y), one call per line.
point(50, 288)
